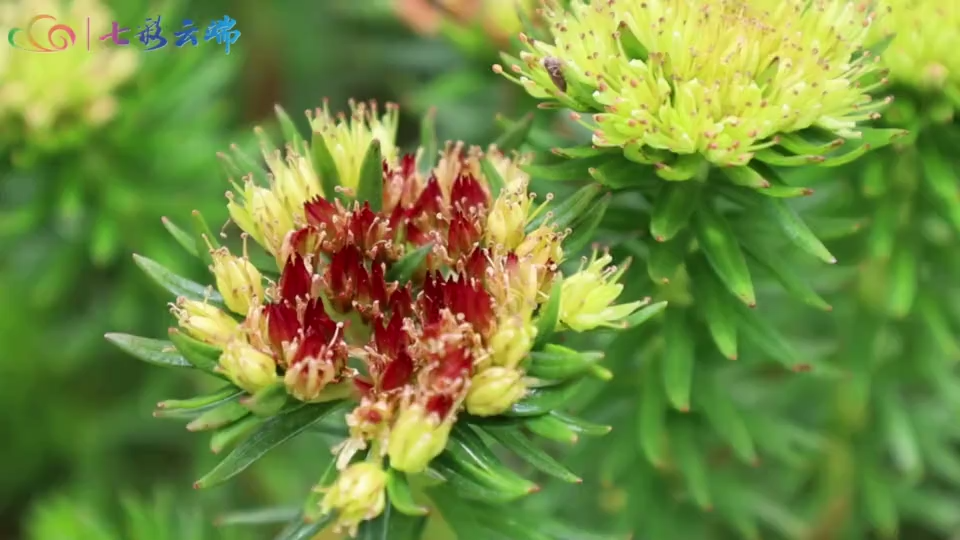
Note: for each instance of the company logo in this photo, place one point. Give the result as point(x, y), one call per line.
point(150, 35)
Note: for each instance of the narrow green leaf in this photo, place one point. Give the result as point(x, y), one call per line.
point(406, 268)
point(494, 180)
point(271, 434)
point(620, 174)
point(899, 432)
point(780, 268)
point(652, 430)
point(223, 415)
point(556, 362)
point(204, 237)
point(470, 450)
point(473, 484)
point(727, 421)
point(761, 333)
point(718, 313)
point(584, 229)
point(672, 210)
point(772, 157)
point(571, 209)
point(827, 228)
point(290, 132)
point(268, 401)
point(796, 230)
point(370, 189)
point(584, 152)
point(259, 516)
point(401, 496)
point(201, 355)
point(298, 529)
point(578, 425)
point(644, 314)
point(187, 242)
point(392, 526)
point(325, 167)
point(549, 316)
point(540, 401)
point(225, 393)
point(678, 359)
point(566, 170)
point(515, 135)
point(153, 351)
point(550, 427)
point(903, 283)
point(428, 142)
point(745, 176)
point(691, 463)
point(516, 442)
point(178, 286)
point(719, 244)
point(229, 435)
point(666, 258)
point(878, 501)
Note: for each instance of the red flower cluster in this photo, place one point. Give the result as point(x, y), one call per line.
point(425, 337)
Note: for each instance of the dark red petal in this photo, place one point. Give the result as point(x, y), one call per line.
point(316, 320)
point(439, 404)
point(397, 373)
point(463, 235)
point(312, 346)
point(476, 265)
point(295, 280)
point(363, 385)
point(321, 213)
point(456, 364)
point(401, 302)
point(430, 201)
point(467, 192)
point(282, 323)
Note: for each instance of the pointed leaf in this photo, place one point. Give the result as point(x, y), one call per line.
point(666, 258)
point(290, 132)
point(796, 230)
point(727, 421)
point(652, 430)
point(903, 283)
point(513, 440)
point(550, 427)
point(229, 435)
point(549, 316)
point(298, 529)
point(494, 180)
point(644, 314)
point(406, 268)
point(780, 268)
point(566, 170)
point(390, 525)
point(745, 176)
point(473, 484)
point(259, 516)
point(203, 356)
point(227, 413)
point(578, 425)
point(186, 241)
point(678, 359)
point(617, 173)
point(370, 189)
point(325, 167)
point(571, 209)
point(692, 465)
point(153, 351)
point(762, 334)
point(584, 229)
point(267, 401)
point(178, 286)
point(540, 401)
point(719, 244)
point(203, 237)
point(672, 210)
point(556, 362)
point(515, 135)
point(718, 313)
point(272, 433)
point(225, 393)
point(401, 496)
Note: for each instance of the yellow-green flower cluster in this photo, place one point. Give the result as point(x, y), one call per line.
point(43, 88)
point(926, 38)
point(718, 78)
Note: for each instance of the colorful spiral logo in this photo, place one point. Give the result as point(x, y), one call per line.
point(60, 37)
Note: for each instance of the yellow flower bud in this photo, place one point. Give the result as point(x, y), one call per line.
point(494, 390)
point(238, 281)
point(416, 438)
point(205, 322)
point(357, 495)
point(293, 181)
point(542, 246)
point(247, 367)
point(507, 219)
point(349, 139)
point(263, 216)
point(586, 296)
point(512, 341)
point(926, 38)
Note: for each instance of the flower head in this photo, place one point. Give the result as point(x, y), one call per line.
point(926, 34)
point(719, 78)
point(43, 90)
point(416, 307)
point(359, 493)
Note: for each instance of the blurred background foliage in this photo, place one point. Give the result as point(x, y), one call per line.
point(81, 458)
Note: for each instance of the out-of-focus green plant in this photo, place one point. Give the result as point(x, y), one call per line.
point(162, 517)
point(890, 466)
point(91, 142)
